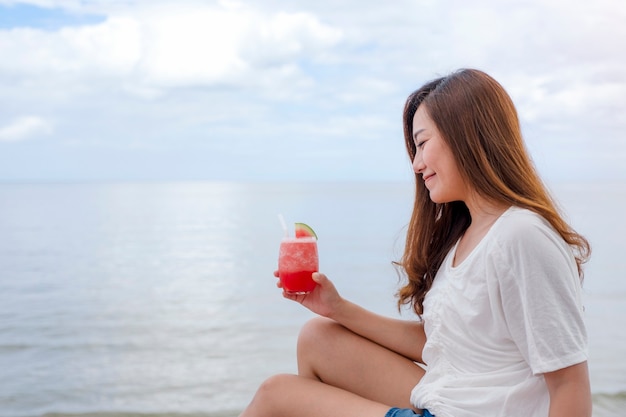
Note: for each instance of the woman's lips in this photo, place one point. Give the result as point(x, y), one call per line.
point(428, 177)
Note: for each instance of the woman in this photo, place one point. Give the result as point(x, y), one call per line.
point(493, 273)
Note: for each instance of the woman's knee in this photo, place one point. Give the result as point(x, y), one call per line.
point(274, 385)
point(270, 392)
point(320, 345)
point(316, 334)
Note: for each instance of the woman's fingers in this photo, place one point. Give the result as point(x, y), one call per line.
point(319, 277)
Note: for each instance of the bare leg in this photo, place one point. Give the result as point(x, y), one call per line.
point(334, 355)
point(339, 373)
point(295, 396)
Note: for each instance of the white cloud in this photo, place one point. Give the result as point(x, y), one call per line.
point(24, 128)
point(194, 75)
point(108, 48)
point(172, 46)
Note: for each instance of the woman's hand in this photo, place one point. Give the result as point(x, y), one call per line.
point(323, 300)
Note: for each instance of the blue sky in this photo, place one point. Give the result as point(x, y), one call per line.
point(282, 90)
point(20, 15)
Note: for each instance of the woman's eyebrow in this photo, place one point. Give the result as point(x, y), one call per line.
point(416, 134)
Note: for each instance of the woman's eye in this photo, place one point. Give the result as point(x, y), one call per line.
point(420, 144)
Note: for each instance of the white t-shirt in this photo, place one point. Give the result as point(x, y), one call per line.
point(508, 313)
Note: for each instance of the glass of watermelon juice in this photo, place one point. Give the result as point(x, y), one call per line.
point(298, 260)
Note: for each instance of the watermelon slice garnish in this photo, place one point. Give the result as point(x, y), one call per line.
point(304, 230)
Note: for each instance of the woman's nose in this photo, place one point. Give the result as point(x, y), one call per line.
point(418, 163)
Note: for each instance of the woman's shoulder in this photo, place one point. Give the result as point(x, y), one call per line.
point(519, 218)
point(521, 226)
point(526, 240)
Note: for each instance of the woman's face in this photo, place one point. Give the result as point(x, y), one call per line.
point(434, 161)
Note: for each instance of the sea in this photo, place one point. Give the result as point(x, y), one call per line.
point(158, 298)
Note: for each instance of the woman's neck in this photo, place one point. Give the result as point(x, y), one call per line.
point(484, 214)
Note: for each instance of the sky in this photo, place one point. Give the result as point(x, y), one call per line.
point(271, 90)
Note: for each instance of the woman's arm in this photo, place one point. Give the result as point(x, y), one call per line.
point(406, 338)
point(570, 393)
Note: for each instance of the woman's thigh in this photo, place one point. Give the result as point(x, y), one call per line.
point(338, 357)
point(297, 396)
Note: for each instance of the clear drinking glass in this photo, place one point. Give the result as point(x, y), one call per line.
point(297, 261)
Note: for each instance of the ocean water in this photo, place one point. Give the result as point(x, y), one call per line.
point(155, 299)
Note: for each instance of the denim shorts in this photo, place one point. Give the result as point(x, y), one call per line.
point(406, 412)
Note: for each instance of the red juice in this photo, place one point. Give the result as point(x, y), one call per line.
point(297, 261)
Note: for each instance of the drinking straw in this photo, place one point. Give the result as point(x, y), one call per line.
point(283, 224)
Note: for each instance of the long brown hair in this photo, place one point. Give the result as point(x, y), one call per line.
point(477, 119)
